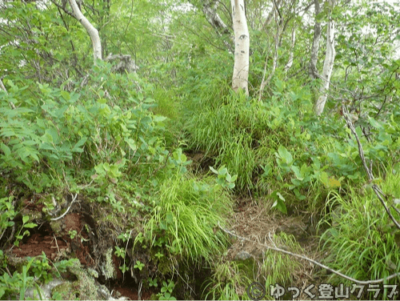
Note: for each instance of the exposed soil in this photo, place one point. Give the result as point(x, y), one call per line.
point(200, 162)
point(40, 242)
point(132, 293)
point(76, 235)
point(58, 245)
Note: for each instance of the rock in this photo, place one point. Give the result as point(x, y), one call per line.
point(243, 255)
point(108, 269)
point(45, 290)
point(93, 273)
point(57, 227)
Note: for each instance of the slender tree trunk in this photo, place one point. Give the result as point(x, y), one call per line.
point(328, 64)
point(93, 33)
point(242, 47)
point(291, 55)
point(274, 8)
point(265, 82)
point(315, 45)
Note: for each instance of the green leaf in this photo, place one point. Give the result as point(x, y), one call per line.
point(279, 202)
point(25, 219)
point(77, 148)
point(297, 173)
point(159, 118)
point(65, 95)
point(30, 225)
point(5, 149)
point(285, 155)
point(375, 123)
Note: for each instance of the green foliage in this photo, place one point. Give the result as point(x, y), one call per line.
point(166, 291)
point(41, 35)
point(25, 225)
point(120, 139)
point(50, 136)
point(35, 272)
point(227, 280)
point(10, 286)
point(362, 241)
point(7, 220)
point(8, 214)
point(138, 265)
point(278, 267)
point(224, 179)
point(72, 233)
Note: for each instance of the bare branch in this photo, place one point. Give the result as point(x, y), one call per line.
point(375, 187)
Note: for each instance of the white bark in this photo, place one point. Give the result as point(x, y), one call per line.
point(328, 65)
point(210, 11)
point(124, 63)
point(315, 46)
point(242, 47)
point(291, 55)
point(91, 30)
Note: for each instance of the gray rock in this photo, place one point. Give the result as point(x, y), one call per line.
point(243, 255)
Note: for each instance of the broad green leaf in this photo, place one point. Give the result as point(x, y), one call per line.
point(30, 225)
point(375, 123)
point(5, 149)
point(285, 155)
point(159, 118)
point(25, 219)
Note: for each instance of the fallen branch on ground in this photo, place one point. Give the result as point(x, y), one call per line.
point(312, 261)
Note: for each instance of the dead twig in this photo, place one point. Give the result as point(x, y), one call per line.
point(61, 216)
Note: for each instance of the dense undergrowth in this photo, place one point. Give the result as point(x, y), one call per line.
point(120, 141)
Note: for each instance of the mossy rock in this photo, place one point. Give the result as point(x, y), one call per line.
point(108, 268)
point(84, 288)
point(64, 291)
point(57, 226)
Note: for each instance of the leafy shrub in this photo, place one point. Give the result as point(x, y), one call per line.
point(54, 136)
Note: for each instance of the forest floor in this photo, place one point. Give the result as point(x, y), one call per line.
point(77, 235)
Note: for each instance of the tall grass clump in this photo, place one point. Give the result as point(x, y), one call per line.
point(231, 279)
point(228, 281)
point(229, 129)
point(187, 215)
point(362, 240)
point(278, 267)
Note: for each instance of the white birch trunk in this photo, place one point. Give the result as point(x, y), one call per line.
point(91, 30)
point(291, 55)
point(242, 47)
point(315, 45)
point(328, 65)
point(210, 11)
